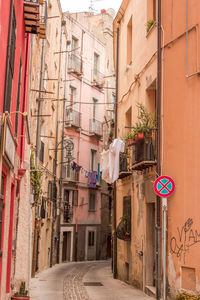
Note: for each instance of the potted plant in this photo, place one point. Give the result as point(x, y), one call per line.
point(131, 138)
point(149, 24)
point(22, 294)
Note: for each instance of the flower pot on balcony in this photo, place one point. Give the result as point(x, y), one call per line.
point(140, 136)
point(127, 236)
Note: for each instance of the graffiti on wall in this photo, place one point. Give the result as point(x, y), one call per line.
point(187, 236)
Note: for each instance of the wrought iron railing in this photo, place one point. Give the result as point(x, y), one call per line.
point(75, 64)
point(72, 117)
point(97, 78)
point(123, 164)
point(96, 127)
point(67, 212)
point(143, 150)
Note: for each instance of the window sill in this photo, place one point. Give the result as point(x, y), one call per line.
point(150, 30)
point(91, 210)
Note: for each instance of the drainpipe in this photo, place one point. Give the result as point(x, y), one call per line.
point(114, 193)
point(56, 152)
point(35, 251)
point(158, 169)
point(62, 154)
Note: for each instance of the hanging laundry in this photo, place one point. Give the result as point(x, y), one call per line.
point(105, 166)
point(92, 178)
point(74, 165)
point(115, 148)
point(110, 161)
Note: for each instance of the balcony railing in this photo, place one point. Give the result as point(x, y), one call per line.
point(124, 169)
point(67, 212)
point(96, 127)
point(71, 175)
point(43, 21)
point(97, 78)
point(143, 154)
point(75, 64)
point(31, 16)
point(72, 118)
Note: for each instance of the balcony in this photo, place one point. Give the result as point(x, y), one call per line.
point(31, 16)
point(96, 128)
point(75, 65)
point(71, 175)
point(124, 170)
point(43, 21)
point(97, 79)
point(143, 154)
point(72, 118)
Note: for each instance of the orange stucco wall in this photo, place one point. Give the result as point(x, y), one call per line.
point(181, 143)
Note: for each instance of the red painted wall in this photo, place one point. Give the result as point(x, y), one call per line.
point(21, 51)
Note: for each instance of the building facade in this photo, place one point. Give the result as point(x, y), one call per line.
point(180, 154)
point(46, 93)
point(135, 44)
point(87, 119)
point(15, 143)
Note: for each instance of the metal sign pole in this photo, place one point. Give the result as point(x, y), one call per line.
point(164, 209)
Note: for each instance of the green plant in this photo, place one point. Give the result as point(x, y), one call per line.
point(22, 290)
point(35, 179)
point(149, 24)
point(186, 296)
point(145, 124)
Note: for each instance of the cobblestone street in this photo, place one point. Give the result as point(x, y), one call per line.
point(82, 281)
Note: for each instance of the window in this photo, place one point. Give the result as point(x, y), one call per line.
point(75, 198)
point(151, 10)
point(72, 94)
point(18, 98)
point(2, 195)
point(93, 166)
point(74, 44)
point(43, 208)
point(96, 63)
point(67, 212)
point(10, 59)
point(41, 156)
point(94, 108)
point(127, 211)
point(92, 200)
point(129, 42)
point(90, 238)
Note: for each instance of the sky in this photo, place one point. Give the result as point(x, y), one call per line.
point(83, 5)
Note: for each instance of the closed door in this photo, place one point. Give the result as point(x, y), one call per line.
point(91, 245)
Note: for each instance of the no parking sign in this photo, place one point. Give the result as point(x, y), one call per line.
point(164, 186)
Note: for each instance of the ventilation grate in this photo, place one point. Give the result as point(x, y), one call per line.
point(93, 284)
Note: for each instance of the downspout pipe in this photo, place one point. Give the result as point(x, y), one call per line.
point(39, 106)
point(158, 168)
point(56, 156)
point(62, 155)
point(115, 186)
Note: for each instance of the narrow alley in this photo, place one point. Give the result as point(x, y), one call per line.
point(82, 281)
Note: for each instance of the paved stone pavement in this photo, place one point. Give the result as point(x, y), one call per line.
point(67, 281)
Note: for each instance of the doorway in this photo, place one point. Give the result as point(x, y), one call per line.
point(150, 244)
point(66, 246)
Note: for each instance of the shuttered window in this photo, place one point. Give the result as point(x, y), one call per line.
point(42, 152)
point(92, 201)
point(2, 195)
point(18, 98)
point(10, 59)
